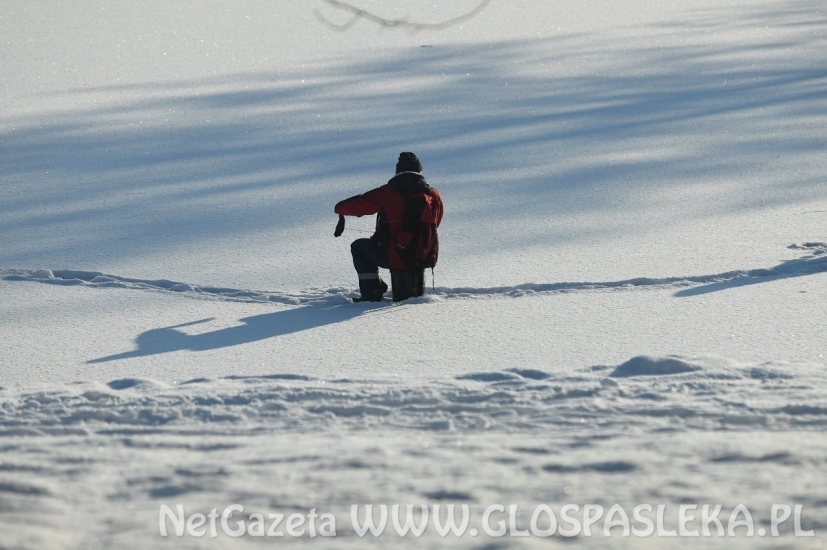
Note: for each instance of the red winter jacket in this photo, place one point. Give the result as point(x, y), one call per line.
point(389, 202)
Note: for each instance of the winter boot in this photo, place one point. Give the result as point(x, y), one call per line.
point(407, 284)
point(374, 294)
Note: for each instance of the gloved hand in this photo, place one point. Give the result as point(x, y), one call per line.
point(340, 227)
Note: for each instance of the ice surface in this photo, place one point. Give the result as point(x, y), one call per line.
point(628, 308)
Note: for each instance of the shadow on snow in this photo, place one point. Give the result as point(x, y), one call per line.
point(253, 329)
point(309, 316)
point(163, 165)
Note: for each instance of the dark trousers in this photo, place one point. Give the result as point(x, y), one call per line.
point(367, 262)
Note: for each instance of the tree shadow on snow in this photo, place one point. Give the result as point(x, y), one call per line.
point(253, 329)
point(565, 144)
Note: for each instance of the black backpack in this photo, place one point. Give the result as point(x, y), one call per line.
point(418, 242)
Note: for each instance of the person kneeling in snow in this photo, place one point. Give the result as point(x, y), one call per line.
point(408, 213)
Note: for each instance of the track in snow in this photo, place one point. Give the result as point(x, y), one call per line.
point(812, 263)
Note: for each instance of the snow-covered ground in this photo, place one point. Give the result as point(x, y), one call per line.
point(629, 306)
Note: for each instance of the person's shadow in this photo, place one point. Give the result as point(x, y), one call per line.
point(255, 328)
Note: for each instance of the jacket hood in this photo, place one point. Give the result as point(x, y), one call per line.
point(410, 183)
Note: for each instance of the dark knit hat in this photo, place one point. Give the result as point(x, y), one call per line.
point(408, 163)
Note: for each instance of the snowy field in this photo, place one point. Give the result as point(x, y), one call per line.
point(629, 306)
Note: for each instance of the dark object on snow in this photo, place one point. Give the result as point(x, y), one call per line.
point(340, 227)
point(408, 214)
point(367, 263)
point(408, 163)
point(375, 296)
point(407, 284)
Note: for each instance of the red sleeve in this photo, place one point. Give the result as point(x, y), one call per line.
point(363, 205)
